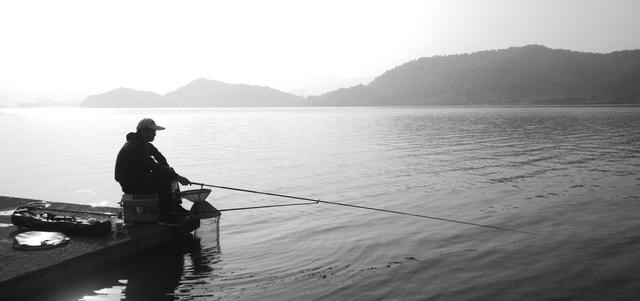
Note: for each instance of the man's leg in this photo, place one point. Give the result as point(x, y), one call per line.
point(144, 185)
point(165, 195)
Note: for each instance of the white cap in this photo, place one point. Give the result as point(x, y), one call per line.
point(148, 123)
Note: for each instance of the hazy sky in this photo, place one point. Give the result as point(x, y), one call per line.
point(63, 50)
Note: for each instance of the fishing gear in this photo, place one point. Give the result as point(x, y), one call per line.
point(258, 192)
point(25, 217)
point(369, 208)
point(46, 206)
point(266, 206)
point(203, 209)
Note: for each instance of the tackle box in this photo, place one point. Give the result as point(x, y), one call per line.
point(144, 207)
point(140, 207)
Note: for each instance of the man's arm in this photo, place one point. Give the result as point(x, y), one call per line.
point(155, 153)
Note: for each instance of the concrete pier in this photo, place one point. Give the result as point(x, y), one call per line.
point(22, 270)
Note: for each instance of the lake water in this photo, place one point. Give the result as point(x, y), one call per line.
point(571, 174)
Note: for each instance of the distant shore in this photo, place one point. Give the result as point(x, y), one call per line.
point(352, 106)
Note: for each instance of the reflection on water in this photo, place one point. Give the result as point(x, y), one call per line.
point(164, 273)
point(200, 263)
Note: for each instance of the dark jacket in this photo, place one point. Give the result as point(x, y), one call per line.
point(137, 162)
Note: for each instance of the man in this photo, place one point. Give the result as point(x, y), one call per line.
point(141, 168)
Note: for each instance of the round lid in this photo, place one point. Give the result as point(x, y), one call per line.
point(39, 240)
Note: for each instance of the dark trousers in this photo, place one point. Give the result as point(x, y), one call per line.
point(159, 185)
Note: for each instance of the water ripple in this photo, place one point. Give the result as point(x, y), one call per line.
point(570, 173)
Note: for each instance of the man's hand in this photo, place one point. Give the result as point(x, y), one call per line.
point(183, 180)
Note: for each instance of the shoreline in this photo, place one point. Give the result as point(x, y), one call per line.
point(339, 106)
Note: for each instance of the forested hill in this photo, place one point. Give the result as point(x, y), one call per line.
point(211, 93)
point(124, 97)
point(521, 75)
point(529, 75)
point(199, 93)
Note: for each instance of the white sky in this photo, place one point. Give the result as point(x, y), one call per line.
point(63, 50)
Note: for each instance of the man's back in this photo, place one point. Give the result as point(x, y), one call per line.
point(136, 161)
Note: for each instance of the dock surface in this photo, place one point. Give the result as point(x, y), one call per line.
point(23, 270)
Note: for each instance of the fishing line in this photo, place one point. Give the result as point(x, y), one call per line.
point(369, 208)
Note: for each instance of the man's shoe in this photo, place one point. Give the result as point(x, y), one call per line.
point(170, 221)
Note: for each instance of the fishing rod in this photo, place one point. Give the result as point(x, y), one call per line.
point(258, 192)
point(44, 207)
point(266, 206)
point(369, 208)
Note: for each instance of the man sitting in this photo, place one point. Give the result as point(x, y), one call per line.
point(141, 168)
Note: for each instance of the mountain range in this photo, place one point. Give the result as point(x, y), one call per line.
point(529, 75)
point(199, 93)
